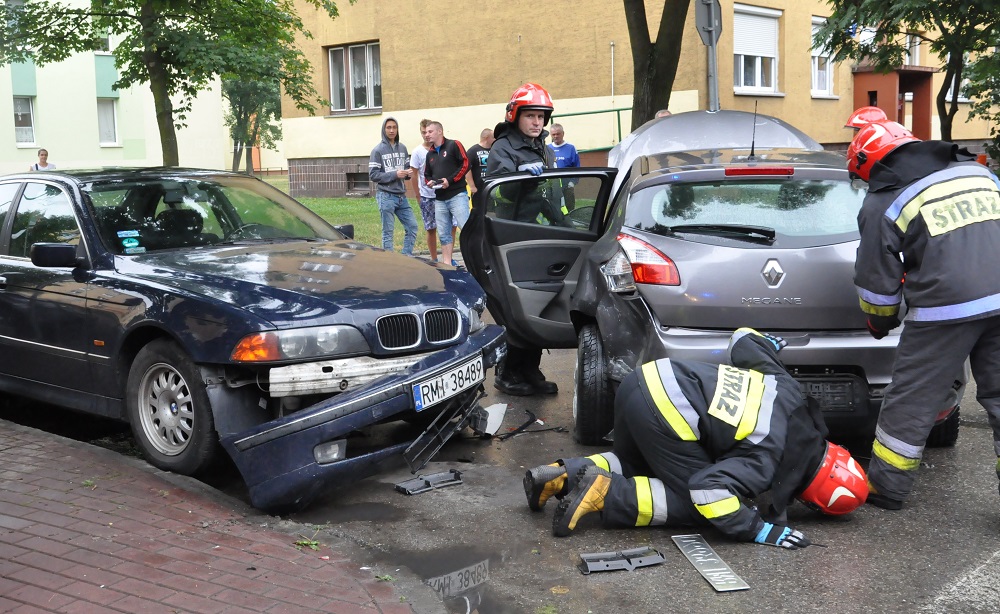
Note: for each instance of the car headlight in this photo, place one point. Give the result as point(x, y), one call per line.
point(476, 323)
point(300, 343)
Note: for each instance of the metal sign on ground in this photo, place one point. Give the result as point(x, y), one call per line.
point(709, 565)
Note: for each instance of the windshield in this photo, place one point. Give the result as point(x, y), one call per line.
point(808, 209)
point(149, 214)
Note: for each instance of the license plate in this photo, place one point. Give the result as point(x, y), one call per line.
point(458, 582)
point(436, 389)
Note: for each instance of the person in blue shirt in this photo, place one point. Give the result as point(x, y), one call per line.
point(566, 157)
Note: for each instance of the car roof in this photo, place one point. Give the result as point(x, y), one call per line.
point(120, 173)
point(717, 158)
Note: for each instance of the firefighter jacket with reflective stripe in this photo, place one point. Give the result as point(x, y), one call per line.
point(738, 414)
point(931, 218)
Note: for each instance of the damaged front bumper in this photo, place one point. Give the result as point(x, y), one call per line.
point(289, 461)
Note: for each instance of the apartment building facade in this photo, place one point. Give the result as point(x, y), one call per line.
point(459, 63)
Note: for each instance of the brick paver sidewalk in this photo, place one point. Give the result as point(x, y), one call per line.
point(86, 530)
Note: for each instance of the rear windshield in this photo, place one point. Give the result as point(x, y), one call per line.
point(812, 209)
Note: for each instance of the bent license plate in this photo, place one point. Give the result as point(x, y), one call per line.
point(460, 581)
point(436, 389)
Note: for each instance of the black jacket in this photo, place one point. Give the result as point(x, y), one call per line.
point(932, 215)
point(523, 201)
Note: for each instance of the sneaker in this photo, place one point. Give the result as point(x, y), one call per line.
point(587, 496)
point(543, 482)
point(541, 385)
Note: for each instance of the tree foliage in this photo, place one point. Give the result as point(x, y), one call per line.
point(254, 107)
point(875, 31)
point(654, 64)
point(178, 47)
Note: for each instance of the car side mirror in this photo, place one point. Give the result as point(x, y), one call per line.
point(347, 230)
point(53, 255)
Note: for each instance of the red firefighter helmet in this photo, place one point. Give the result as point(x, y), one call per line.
point(872, 143)
point(529, 96)
point(839, 486)
point(865, 115)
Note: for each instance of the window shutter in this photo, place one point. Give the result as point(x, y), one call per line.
point(755, 35)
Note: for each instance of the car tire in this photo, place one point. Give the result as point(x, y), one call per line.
point(944, 435)
point(593, 402)
point(169, 410)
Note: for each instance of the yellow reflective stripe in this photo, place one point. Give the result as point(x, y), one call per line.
point(719, 508)
point(600, 461)
point(878, 310)
point(644, 499)
point(755, 394)
point(896, 460)
point(663, 404)
point(945, 189)
point(961, 210)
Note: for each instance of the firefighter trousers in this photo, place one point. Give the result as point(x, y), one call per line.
point(929, 359)
point(650, 486)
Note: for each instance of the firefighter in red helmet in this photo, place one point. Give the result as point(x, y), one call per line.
point(931, 217)
point(694, 442)
point(519, 147)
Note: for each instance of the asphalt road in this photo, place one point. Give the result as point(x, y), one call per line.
point(940, 553)
point(481, 549)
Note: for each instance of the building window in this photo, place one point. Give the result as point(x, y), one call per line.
point(106, 121)
point(24, 121)
point(355, 78)
point(822, 68)
point(755, 49)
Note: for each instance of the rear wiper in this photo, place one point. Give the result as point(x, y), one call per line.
point(736, 231)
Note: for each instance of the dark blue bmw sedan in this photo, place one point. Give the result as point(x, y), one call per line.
point(209, 308)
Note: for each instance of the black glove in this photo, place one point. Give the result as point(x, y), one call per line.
point(776, 341)
point(782, 537)
point(879, 326)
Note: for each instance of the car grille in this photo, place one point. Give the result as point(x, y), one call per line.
point(398, 331)
point(441, 325)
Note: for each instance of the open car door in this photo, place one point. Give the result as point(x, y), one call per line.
point(527, 245)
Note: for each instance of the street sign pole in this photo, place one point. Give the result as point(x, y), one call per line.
point(708, 19)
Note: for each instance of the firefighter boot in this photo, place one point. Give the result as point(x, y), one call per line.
point(537, 380)
point(587, 496)
point(509, 381)
point(998, 471)
point(543, 482)
point(882, 501)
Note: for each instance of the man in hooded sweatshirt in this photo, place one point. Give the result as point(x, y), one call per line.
point(388, 169)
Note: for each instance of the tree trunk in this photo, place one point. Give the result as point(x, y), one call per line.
point(237, 154)
point(654, 65)
point(249, 151)
point(159, 86)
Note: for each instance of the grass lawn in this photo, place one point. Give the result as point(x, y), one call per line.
point(360, 211)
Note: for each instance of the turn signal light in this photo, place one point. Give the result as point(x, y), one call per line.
point(259, 347)
point(649, 265)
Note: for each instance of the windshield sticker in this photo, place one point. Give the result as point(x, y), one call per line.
point(135, 250)
point(130, 243)
point(127, 233)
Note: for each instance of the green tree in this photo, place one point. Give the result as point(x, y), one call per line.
point(952, 30)
point(983, 88)
point(654, 64)
point(178, 47)
point(253, 108)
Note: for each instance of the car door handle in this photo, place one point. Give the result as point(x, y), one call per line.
point(3, 283)
point(558, 270)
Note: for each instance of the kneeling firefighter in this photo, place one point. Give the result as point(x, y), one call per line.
point(694, 441)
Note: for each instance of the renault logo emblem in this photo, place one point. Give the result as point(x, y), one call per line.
point(773, 273)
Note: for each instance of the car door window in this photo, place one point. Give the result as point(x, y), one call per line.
point(44, 215)
point(554, 201)
point(7, 193)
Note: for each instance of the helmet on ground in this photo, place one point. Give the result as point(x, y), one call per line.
point(529, 96)
point(864, 116)
point(872, 143)
point(839, 486)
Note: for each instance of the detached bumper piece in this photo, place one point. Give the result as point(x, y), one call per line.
point(626, 560)
point(424, 447)
point(423, 483)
